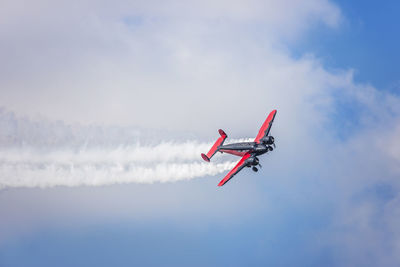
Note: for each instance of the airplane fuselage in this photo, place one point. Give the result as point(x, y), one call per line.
point(255, 148)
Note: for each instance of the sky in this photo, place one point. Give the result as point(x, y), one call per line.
point(106, 106)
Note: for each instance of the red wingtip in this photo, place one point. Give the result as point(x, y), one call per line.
point(222, 133)
point(204, 156)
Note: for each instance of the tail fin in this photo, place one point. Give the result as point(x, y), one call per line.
point(215, 147)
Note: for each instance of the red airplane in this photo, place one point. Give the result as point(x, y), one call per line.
point(247, 150)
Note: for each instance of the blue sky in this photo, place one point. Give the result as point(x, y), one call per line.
point(367, 42)
point(85, 82)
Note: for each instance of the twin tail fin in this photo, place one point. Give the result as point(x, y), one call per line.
point(215, 147)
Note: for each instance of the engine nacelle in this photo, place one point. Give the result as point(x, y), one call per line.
point(268, 140)
point(253, 161)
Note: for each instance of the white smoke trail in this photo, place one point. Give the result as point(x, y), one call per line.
point(45, 154)
point(100, 175)
point(166, 162)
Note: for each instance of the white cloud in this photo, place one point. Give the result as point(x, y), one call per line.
point(204, 65)
point(195, 58)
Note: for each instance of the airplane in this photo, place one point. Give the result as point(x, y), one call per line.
point(247, 150)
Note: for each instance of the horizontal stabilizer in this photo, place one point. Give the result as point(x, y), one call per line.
point(204, 156)
point(215, 147)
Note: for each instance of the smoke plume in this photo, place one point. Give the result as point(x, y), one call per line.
point(45, 154)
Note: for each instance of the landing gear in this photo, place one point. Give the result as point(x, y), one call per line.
point(254, 169)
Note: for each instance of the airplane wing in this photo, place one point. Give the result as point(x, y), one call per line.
point(239, 166)
point(266, 127)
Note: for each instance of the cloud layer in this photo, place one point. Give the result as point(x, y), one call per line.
point(195, 68)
